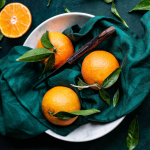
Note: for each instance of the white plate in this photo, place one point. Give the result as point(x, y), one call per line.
point(59, 23)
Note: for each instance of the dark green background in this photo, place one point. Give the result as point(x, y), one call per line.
point(116, 140)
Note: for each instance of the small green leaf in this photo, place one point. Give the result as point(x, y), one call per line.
point(142, 5)
point(82, 85)
point(49, 2)
point(2, 3)
point(115, 12)
point(133, 134)
point(72, 114)
point(35, 55)
point(46, 41)
point(66, 10)
point(108, 1)
point(1, 35)
point(104, 95)
point(111, 79)
point(115, 98)
point(49, 64)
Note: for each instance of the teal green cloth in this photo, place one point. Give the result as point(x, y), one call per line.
point(20, 105)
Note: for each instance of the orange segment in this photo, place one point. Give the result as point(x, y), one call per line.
point(15, 20)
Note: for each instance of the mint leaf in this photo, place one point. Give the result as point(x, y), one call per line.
point(49, 64)
point(49, 2)
point(66, 10)
point(35, 55)
point(115, 98)
point(104, 95)
point(2, 3)
point(142, 5)
point(115, 12)
point(46, 41)
point(133, 134)
point(72, 114)
point(111, 79)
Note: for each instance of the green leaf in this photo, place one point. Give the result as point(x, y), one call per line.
point(1, 35)
point(133, 134)
point(72, 114)
point(66, 10)
point(115, 12)
point(49, 64)
point(49, 2)
point(46, 41)
point(142, 5)
point(108, 1)
point(35, 55)
point(111, 79)
point(115, 98)
point(104, 95)
point(82, 85)
point(2, 3)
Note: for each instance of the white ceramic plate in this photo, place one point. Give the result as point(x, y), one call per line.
point(59, 23)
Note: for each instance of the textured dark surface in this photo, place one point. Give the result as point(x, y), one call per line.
point(115, 140)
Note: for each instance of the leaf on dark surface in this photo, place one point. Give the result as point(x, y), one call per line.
point(72, 114)
point(66, 9)
point(104, 95)
point(115, 98)
point(133, 134)
point(46, 41)
point(34, 55)
point(111, 79)
point(115, 12)
point(108, 1)
point(49, 2)
point(49, 64)
point(142, 5)
point(2, 3)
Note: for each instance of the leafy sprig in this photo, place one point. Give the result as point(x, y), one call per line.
point(66, 9)
point(108, 82)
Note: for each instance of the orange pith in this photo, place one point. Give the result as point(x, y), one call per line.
point(15, 20)
point(97, 66)
point(60, 99)
point(63, 45)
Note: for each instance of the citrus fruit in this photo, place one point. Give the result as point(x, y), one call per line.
point(57, 99)
point(97, 66)
point(63, 45)
point(15, 20)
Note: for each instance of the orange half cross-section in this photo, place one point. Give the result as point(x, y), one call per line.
point(15, 20)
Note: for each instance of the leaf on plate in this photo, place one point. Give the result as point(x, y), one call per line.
point(108, 1)
point(133, 134)
point(34, 55)
point(2, 3)
point(72, 114)
point(46, 41)
point(66, 9)
point(112, 78)
point(104, 95)
point(142, 5)
point(49, 2)
point(82, 85)
point(49, 64)
point(115, 98)
point(115, 12)
point(1, 35)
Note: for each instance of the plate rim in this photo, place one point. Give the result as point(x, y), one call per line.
point(24, 44)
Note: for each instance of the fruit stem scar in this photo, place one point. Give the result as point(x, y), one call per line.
point(55, 50)
point(51, 113)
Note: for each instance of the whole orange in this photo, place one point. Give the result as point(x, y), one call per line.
point(57, 99)
point(97, 66)
point(63, 45)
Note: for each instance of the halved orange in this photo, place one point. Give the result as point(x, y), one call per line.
point(15, 20)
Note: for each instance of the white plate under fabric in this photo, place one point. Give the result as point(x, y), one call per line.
point(59, 23)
